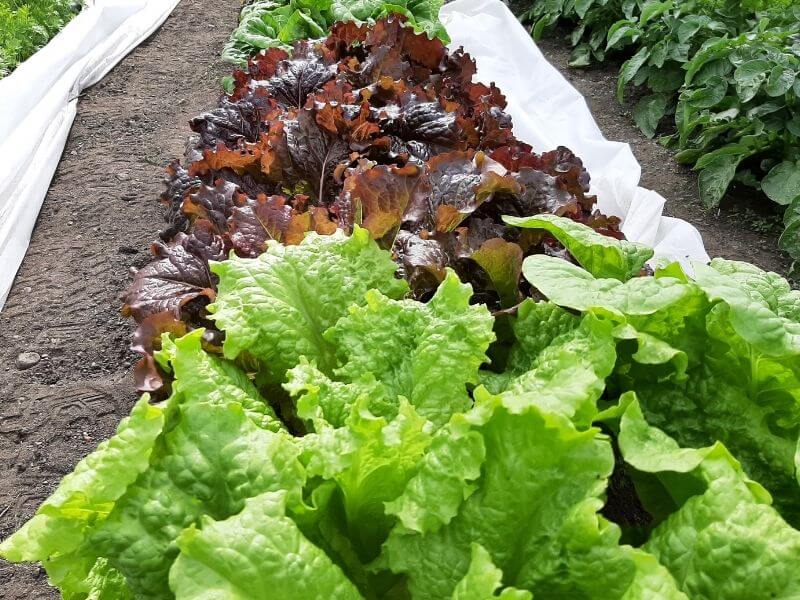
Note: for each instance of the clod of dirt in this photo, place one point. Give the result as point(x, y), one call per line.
point(26, 360)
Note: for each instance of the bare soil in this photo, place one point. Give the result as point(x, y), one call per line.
point(101, 214)
point(97, 222)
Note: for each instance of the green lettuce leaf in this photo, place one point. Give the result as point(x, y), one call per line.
point(433, 496)
point(57, 535)
point(214, 454)
point(601, 255)
point(208, 464)
point(568, 376)
point(323, 402)
point(106, 583)
point(747, 400)
point(703, 371)
point(370, 460)
point(765, 287)
point(573, 287)
point(763, 309)
point(723, 540)
point(276, 307)
point(536, 326)
point(534, 511)
point(258, 553)
point(428, 353)
point(483, 579)
point(218, 381)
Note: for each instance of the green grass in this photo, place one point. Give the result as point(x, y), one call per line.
point(27, 25)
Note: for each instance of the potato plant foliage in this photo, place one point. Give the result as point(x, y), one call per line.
point(726, 71)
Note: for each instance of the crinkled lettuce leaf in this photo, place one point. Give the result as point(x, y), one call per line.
point(202, 375)
point(58, 534)
point(533, 328)
point(370, 460)
point(277, 307)
point(483, 579)
point(324, 402)
point(533, 510)
point(428, 353)
point(568, 376)
point(713, 358)
point(763, 310)
point(723, 539)
point(203, 454)
point(106, 583)
point(208, 464)
point(257, 553)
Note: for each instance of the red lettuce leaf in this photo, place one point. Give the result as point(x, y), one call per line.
point(178, 274)
point(377, 126)
point(380, 198)
point(266, 218)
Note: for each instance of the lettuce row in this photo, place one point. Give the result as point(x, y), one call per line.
point(279, 23)
point(353, 443)
point(711, 359)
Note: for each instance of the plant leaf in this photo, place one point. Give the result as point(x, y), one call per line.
point(782, 183)
point(265, 555)
point(601, 255)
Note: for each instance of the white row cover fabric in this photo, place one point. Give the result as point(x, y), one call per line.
point(549, 112)
point(38, 103)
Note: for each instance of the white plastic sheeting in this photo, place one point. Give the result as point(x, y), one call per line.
point(549, 112)
point(38, 103)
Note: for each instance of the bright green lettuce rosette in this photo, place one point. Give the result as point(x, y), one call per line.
point(633, 437)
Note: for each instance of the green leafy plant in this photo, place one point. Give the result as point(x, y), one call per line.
point(743, 121)
point(27, 25)
point(591, 19)
point(726, 70)
point(267, 24)
point(637, 439)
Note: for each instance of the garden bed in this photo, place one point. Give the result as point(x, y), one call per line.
point(97, 221)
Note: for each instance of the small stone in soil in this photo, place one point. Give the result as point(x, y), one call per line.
point(123, 176)
point(26, 360)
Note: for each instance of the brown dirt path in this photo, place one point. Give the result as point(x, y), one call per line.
point(97, 222)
